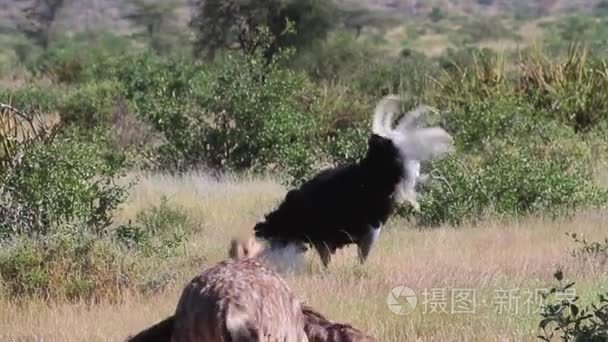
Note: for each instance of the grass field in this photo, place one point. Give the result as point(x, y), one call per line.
point(497, 265)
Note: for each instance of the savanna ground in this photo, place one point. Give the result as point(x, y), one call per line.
point(497, 265)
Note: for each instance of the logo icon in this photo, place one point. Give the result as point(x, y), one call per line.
point(401, 300)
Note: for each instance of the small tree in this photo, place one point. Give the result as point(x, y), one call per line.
point(233, 24)
point(38, 19)
point(436, 14)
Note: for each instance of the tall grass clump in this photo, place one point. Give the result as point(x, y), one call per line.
point(573, 91)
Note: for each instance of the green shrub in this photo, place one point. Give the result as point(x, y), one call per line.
point(164, 93)
point(576, 28)
point(513, 156)
point(84, 57)
point(509, 181)
point(158, 231)
point(22, 271)
point(436, 14)
point(90, 105)
point(31, 98)
point(288, 24)
point(64, 266)
point(336, 58)
point(348, 144)
point(146, 76)
point(62, 181)
point(236, 113)
point(562, 316)
point(454, 59)
point(257, 119)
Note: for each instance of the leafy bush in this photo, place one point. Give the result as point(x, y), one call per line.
point(163, 93)
point(31, 98)
point(57, 198)
point(237, 113)
point(80, 58)
point(336, 58)
point(570, 322)
point(157, 231)
point(90, 105)
point(63, 181)
point(436, 14)
point(509, 181)
point(64, 266)
point(453, 59)
point(235, 23)
point(257, 119)
point(512, 157)
point(349, 143)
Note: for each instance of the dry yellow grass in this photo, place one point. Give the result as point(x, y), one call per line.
point(485, 260)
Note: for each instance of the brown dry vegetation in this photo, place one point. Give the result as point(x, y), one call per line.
point(519, 255)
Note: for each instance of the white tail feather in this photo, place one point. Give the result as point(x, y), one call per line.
point(415, 142)
point(383, 114)
point(413, 119)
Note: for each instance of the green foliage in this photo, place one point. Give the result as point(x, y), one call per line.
point(220, 25)
point(239, 113)
point(572, 92)
point(90, 105)
point(436, 14)
point(509, 181)
point(513, 157)
point(60, 182)
point(80, 58)
point(72, 263)
point(31, 98)
point(356, 18)
point(453, 59)
point(157, 231)
point(336, 58)
point(160, 91)
point(39, 16)
point(66, 266)
point(257, 119)
point(562, 316)
point(576, 28)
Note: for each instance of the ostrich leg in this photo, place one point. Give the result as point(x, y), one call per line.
point(367, 241)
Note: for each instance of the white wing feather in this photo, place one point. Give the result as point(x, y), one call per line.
point(415, 142)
